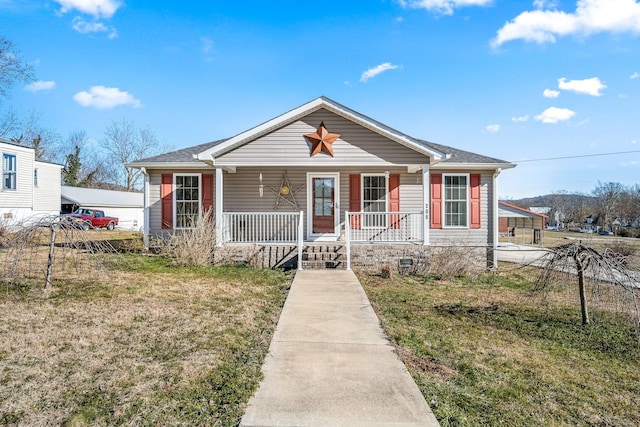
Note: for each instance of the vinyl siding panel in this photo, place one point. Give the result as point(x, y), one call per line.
point(47, 195)
point(241, 190)
point(356, 146)
point(155, 203)
point(467, 236)
point(241, 194)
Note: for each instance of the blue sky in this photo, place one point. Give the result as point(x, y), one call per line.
point(517, 80)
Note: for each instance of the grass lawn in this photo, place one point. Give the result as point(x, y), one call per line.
point(488, 352)
point(148, 343)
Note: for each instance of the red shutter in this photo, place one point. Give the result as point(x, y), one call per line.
point(394, 199)
point(474, 184)
point(166, 198)
point(436, 201)
point(207, 195)
point(354, 199)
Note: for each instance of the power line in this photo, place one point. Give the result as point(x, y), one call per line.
point(575, 157)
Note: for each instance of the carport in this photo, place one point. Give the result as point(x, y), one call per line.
point(517, 223)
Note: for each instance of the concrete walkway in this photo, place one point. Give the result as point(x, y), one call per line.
point(329, 363)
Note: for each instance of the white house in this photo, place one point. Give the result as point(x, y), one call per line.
point(128, 207)
point(30, 188)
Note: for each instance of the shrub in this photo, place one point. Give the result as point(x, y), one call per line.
point(452, 261)
point(194, 246)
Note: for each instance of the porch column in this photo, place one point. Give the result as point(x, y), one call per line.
point(496, 220)
point(145, 226)
point(218, 202)
point(426, 196)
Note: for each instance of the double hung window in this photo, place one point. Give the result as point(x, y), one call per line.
point(456, 200)
point(9, 171)
point(187, 200)
point(374, 199)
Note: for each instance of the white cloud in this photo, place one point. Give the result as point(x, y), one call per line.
point(520, 119)
point(105, 98)
point(85, 27)
point(590, 17)
point(95, 8)
point(548, 93)
point(40, 86)
point(493, 128)
point(554, 115)
point(372, 72)
point(545, 4)
point(633, 141)
point(591, 86)
point(207, 44)
point(632, 163)
point(443, 7)
point(634, 75)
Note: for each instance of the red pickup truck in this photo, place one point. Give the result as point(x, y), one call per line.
point(91, 218)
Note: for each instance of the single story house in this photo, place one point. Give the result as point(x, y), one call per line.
point(30, 187)
point(128, 207)
point(335, 184)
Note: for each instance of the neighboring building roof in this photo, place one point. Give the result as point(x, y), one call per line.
point(441, 156)
point(507, 210)
point(540, 209)
point(98, 197)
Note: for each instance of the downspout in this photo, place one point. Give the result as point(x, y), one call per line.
point(496, 218)
point(145, 226)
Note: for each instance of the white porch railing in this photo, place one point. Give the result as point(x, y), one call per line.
point(386, 227)
point(262, 227)
point(382, 227)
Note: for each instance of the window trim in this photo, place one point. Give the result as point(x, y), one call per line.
point(14, 172)
point(175, 201)
point(445, 200)
point(386, 198)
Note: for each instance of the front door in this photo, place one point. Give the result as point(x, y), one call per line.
point(323, 205)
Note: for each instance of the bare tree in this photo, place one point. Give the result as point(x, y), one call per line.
point(12, 67)
point(126, 143)
point(608, 197)
point(81, 168)
point(29, 132)
point(587, 264)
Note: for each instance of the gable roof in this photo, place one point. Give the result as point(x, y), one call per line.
point(315, 105)
point(441, 156)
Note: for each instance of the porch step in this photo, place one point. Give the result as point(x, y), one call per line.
point(324, 256)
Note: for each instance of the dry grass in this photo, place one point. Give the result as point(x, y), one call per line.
point(489, 352)
point(153, 344)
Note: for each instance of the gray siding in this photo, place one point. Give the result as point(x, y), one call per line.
point(356, 146)
point(467, 236)
point(241, 194)
point(155, 205)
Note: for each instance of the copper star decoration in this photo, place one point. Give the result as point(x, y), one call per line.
point(322, 140)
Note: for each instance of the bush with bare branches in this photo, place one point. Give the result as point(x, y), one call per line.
point(448, 262)
point(193, 246)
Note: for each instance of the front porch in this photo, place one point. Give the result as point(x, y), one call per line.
point(286, 229)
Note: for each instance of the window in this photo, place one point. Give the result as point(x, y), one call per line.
point(35, 177)
point(9, 171)
point(374, 199)
point(187, 200)
point(455, 200)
